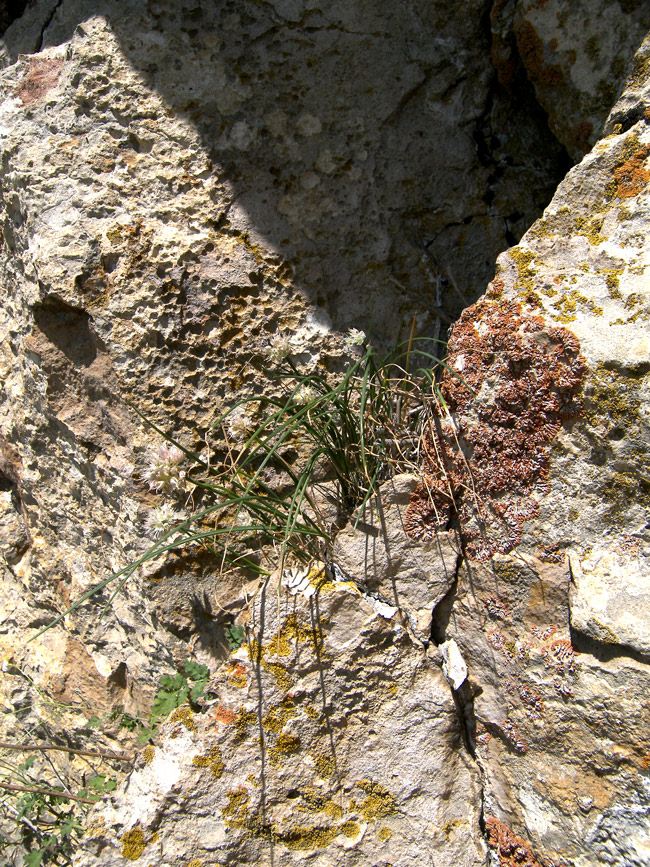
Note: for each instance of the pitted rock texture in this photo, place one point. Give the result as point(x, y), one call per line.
point(182, 182)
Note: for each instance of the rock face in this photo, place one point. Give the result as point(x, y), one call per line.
point(183, 183)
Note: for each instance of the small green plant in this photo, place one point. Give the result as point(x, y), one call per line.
point(235, 636)
point(176, 689)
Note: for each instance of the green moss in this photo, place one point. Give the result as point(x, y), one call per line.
point(133, 843)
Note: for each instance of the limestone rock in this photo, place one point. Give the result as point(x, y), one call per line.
point(549, 611)
point(325, 727)
point(180, 184)
point(380, 557)
point(576, 80)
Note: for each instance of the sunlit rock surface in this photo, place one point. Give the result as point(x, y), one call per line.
point(183, 182)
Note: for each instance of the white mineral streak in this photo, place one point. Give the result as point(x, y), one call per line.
point(453, 665)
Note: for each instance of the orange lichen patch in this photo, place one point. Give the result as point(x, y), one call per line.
point(483, 736)
point(238, 677)
point(513, 851)
point(560, 656)
point(531, 51)
point(632, 177)
point(223, 715)
point(509, 383)
point(495, 289)
point(42, 75)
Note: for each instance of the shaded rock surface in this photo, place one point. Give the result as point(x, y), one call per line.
point(181, 183)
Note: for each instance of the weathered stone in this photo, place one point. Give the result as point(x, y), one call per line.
point(180, 184)
point(554, 633)
point(326, 725)
point(576, 80)
point(380, 557)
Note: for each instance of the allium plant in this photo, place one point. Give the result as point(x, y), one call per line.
point(164, 473)
point(310, 436)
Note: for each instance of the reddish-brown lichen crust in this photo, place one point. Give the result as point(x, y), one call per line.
point(510, 383)
point(513, 851)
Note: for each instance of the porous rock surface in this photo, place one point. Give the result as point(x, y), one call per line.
point(181, 182)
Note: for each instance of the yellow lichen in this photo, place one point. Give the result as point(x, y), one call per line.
point(302, 837)
point(184, 716)
point(236, 812)
point(278, 715)
point(379, 802)
point(148, 753)
point(384, 834)
point(350, 829)
point(285, 745)
point(325, 765)
point(133, 843)
point(523, 260)
point(212, 759)
point(243, 720)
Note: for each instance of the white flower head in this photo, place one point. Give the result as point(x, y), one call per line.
point(164, 473)
point(355, 337)
point(280, 348)
point(304, 395)
point(239, 424)
point(161, 519)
